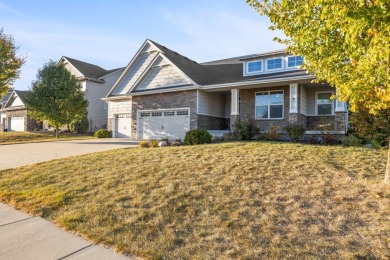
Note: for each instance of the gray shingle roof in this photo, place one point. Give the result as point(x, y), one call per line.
point(22, 94)
point(228, 70)
point(87, 69)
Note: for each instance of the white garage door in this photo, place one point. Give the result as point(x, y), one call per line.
point(16, 124)
point(155, 124)
point(122, 125)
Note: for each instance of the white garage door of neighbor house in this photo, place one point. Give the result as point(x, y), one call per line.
point(172, 124)
point(16, 124)
point(123, 125)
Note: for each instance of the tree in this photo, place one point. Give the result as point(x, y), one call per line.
point(56, 96)
point(346, 43)
point(10, 63)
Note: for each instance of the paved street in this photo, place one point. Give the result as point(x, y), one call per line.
point(16, 155)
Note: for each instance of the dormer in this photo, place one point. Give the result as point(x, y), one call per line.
point(270, 62)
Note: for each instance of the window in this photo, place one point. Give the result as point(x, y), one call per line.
point(269, 105)
point(145, 114)
point(156, 114)
point(182, 113)
point(294, 61)
point(324, 103)
point(169, 113)
point(254, 66)
point(274, 64)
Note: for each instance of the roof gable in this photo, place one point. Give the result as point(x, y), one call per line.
point(161, 74)
point(17, 98)
point(83, 69)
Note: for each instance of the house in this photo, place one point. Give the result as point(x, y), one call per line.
point(162, 94)
point(13, 113)
point(95, 82)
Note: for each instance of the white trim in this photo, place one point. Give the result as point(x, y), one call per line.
point(294, 67)
point(67, 61)
point(316, 105)
point(269, 110)
point(293, 98)
point(246, 67)
point(197, 101)
point(274, 58)
point(340, 106)
point(235, 102)
point(114, 118)
point(202, 114)
point(144, 73)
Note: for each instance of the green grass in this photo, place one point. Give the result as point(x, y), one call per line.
point(29, 137)
point(230, 200)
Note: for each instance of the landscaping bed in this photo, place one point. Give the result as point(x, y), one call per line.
point(243, 200)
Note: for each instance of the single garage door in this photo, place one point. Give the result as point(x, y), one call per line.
point(155, 124)
point(122, 125)
point(16, 124)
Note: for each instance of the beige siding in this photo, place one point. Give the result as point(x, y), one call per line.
point(118, 107)
point(311, 98)
point(303, 100)
point(211, 104)
point(73, 70)
point(162, 75)
point(136, 71)
point(97, 109)
point(16, 103)
point(228, 101)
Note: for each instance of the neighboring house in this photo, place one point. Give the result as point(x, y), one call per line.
point(164, 94)
point(96, 82)
point(13, 113)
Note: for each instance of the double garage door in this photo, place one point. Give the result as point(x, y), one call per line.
point(172, 124)
point(16, 124)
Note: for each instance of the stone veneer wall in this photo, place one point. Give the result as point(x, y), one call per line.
point(213, 123)
point(247, 107)
point(172, 100)
point(109, 124)
point(338, 121)
point(30, 124)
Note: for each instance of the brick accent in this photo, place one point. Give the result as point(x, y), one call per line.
point(213, 123)
point(165, 101)
point(247, 107)
point(339, 124)
point(30, 124)
point(109, 124)
point(315, 122)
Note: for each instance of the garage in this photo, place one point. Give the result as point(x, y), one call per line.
point(122, 125)
point(156, 124)
point(16, 124)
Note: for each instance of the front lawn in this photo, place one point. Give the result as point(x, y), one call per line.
point(231, 200)
point(28, 137)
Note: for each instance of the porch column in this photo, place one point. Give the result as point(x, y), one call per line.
point(234, 107)
point(341, 115)
point(293, 112)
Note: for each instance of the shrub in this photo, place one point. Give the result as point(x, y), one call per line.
point(153, 143)
point(373, 128)
point(326, 137)
point(197, 136)
point(352, 140)
point(102, 133)
point(229, 137)
point(295, 132)
point(176, 143)
point(271, 134)
point(144, 144)
point(80, 126)
point(245, 129)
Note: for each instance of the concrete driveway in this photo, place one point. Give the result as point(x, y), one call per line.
point(15, 155)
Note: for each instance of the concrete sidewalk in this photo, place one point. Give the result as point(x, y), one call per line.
point(27, 237)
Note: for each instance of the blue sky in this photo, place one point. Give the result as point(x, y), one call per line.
point(109, 32)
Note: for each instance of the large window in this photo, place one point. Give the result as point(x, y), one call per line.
point(294, 61)
point(324, 103)
point(269, 105)
point(274, 64)
point(254, 66)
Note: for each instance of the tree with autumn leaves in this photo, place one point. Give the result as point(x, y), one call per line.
point(10, 62)
point(345, 42)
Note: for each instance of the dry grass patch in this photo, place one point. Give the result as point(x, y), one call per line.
point(29, 137)
point(231, 200)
